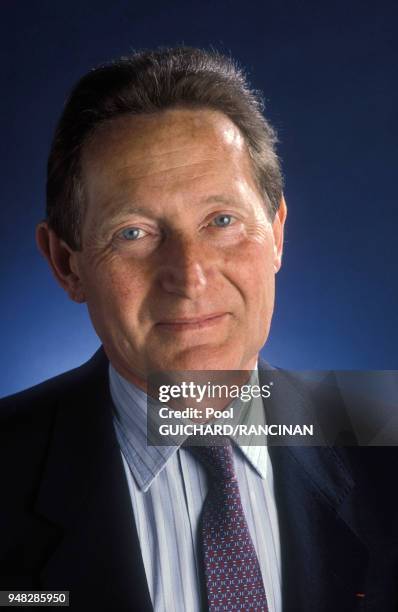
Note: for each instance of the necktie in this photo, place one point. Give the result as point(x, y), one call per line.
point(231, 568)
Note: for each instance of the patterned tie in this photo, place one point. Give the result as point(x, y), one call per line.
point(232, 571)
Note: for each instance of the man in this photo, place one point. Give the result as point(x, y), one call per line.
point(165, 214)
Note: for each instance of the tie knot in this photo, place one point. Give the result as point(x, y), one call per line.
point(216, 459)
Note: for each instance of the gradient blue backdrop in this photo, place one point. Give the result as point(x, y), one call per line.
point(329, 74)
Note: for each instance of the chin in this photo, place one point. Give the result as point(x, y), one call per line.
point(201, 358)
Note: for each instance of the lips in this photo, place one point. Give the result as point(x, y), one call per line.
point(184, 320)
point(182, 323)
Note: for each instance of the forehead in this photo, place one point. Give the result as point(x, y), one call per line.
point(163, 141)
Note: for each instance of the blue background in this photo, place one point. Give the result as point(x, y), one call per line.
point(329, 74)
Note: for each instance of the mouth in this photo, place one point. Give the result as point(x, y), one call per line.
point(190, 324)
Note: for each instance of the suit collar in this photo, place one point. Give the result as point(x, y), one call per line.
point(83, 434)
point(293, 402)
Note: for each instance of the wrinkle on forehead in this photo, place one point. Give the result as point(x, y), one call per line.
point(133, 176)
point(172, 133)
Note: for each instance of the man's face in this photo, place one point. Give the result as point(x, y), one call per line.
point(178, 253)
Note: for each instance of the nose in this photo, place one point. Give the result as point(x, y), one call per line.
point(184, 267)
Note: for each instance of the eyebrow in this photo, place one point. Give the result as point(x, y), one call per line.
point(122, 212)
point(223, 199)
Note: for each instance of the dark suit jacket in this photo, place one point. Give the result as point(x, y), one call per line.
point(67, 521)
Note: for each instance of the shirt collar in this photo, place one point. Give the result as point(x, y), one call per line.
point(130, 422)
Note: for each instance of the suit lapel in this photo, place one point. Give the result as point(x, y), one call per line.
point(324, 559)
point(84, 492)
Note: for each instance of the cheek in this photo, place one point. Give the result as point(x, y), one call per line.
point(114, 288)
point(122, 285)
point(253, 270)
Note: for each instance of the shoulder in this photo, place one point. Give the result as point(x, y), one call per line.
point(321, 397)
point(39, 400)
point(27, 417)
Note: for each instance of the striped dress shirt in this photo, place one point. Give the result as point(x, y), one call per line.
point(168, 487)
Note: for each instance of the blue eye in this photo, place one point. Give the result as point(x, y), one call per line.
point(223, 220)
point(131, 233)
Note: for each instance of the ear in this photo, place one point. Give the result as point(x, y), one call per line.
point(278, 227)
point(62, 260)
